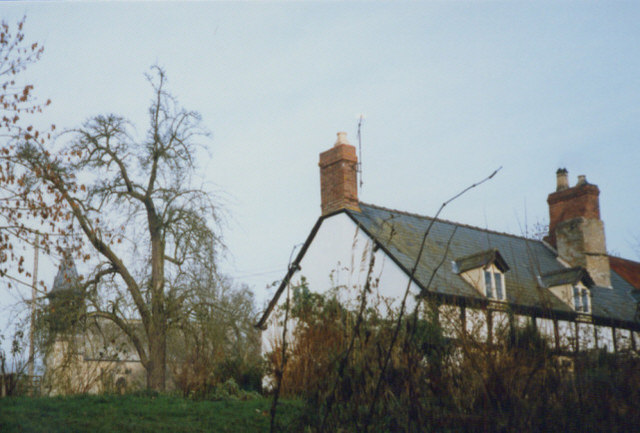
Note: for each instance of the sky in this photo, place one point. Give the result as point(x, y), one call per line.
point(450, 91)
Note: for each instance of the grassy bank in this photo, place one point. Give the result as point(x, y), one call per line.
point(141, 414)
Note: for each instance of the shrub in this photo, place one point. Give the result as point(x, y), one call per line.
point(457, 383)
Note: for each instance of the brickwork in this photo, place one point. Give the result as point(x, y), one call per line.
point(338, 178)
point(576, 230)
point(566, 204)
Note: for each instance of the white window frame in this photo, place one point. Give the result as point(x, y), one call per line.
point(580, 294)
point(492, 292)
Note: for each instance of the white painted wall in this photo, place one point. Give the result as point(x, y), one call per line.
point(501, 326)
point(623, 339)
point(564, 292)
point(567, 334)
point(586, 336)
point(475, 277)
point(338, 259)
point(546, 328)
point(604, 338)
point(476, 324)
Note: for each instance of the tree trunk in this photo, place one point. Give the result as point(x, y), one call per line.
point(156, 368)
point(156, 371)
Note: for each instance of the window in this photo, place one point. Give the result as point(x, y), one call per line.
point(571, 286)
point(498, 280)
point(488, 284)
point(494, 284)
point(484, 271)
point(581, 300)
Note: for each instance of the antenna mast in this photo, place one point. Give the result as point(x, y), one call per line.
point(359, 167)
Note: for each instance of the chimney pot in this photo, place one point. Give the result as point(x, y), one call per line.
point(562, 176)
point(342, 138)
point(582, 180)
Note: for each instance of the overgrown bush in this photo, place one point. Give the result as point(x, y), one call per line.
point(462, 382)
point(217, 341)
point(247, 374)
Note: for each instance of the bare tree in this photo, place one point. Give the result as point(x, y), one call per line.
point(132, 205)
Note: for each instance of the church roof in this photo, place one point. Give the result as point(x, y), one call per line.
point(67, 276)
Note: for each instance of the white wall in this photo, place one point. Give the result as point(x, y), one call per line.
point(546, 328)
point(604, 338)
point(501, 326)
point(623, 339)
point(339, 256)
point(586, 336)
point(476, 324)
point(338, 259)
point(567, 334)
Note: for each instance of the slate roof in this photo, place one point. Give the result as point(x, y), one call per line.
point(400, 235)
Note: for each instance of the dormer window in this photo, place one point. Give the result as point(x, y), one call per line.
point(570, 285)
point(485, 272)
point(494, 284)
point(581, 300)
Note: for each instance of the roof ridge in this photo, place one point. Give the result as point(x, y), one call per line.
point(413, 214)
point(614, 256)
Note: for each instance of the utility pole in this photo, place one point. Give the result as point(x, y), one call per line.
point(34, 283)
point(359, 166)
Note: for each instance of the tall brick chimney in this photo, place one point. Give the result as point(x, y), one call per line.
point(575, 227)
point(338, 177)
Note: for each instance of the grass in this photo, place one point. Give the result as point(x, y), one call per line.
point(132, 413)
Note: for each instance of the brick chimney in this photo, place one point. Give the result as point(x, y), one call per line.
point(575, 227)
point(338, 177)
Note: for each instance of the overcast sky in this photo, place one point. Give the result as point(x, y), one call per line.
point(450, 92)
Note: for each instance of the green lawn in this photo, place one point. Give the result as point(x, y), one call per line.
point(142, 414)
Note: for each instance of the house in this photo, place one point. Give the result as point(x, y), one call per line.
point(479, 280)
